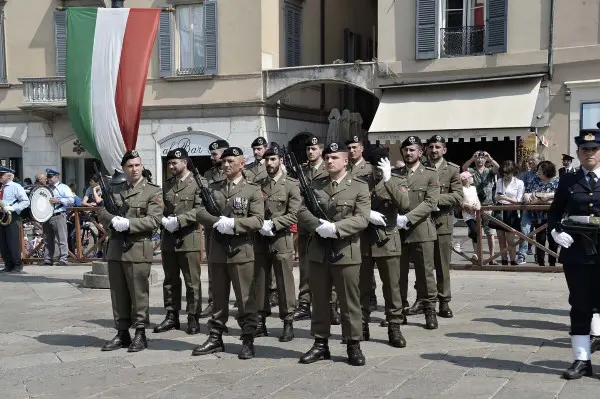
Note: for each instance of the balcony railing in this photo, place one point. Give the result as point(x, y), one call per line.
point(44, 91)
point(462, 40)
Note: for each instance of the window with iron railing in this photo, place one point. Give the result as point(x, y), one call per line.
point(462, 40)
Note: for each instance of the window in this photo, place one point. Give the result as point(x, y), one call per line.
point(2, 48)
point(190, 27)
point(463, 28)
point(590, 115)
point(293, 35)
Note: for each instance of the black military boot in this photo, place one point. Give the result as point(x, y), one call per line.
point(170, 322)
point(594, 343)
point(193, 327)
point(365, 331)
point(288, 331)
point(261, 327)
point(416, 308)
point(208, 311)
point(395, 336)
point(213, 344)
point(302, 312)
point(273, 299)
point(121, 340)
point(319, 351)
point(355, 355)
point(431, 322)
point(445, 311)
point(578, 369)
point(336, 319)
point(247, 351)
point(139, 342)
point(373, 301)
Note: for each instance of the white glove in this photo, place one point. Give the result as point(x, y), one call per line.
point(385, 166)
point(225, 225)
point(563, 239)
point(120, 224)
point(164, 222)
point(172, 224)
point(326, 229)
point(402, 222)
point(377, 218)
point(267, 228)
point(9, 208)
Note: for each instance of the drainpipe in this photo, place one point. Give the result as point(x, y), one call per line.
point(551, 43)
point(117, 3)
point(322, 23)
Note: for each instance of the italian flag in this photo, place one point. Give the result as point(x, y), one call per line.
point(108, 53)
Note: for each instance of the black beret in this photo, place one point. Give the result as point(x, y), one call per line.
point(436, 139)
point(353, 140)
point(273, 149)
point(259, 141)
point(217, 145)
point(410, 140)
point(588, 138)
point(378, 154)
point(232, 152)
point(177, 153)
point(133, 154)
point(313, 140)
point(335, 147)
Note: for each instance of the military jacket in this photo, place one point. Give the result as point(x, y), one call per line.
point(574, 197)
point(312, 174)
point(214, 174)
point(362, 169)
point(282, 203)
point(348, 206)
point(182, 199)
point(390, 199)
point(423, 194)
point(451, 196)
point(143, 206)
point(244, 203)
point(255, 171)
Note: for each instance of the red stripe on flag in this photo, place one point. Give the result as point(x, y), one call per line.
point(138, 41)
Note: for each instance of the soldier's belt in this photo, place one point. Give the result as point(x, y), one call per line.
point(588, 233)
point(592, 220)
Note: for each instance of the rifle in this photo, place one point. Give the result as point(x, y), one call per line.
point(212, 208)
point(310, 199)
point(111, 207)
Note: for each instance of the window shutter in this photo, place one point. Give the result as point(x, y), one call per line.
point(357, 48)
point(60, 41)
point(2, 49)
point(211, 37)
point(297, 37)
point(165, 43)
point(427, 32)
point(293, 36)
point(347, 45)
point(495, 26)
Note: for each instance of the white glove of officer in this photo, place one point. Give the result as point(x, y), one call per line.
point(563, 239)
point(164, 222)
point(267, 228)
point(385, 166)
point(326, 229)
point(402, 222)
point(120, 223)
point(225, 225)
point(172, 224)
point(377, 218)
point(9, 208)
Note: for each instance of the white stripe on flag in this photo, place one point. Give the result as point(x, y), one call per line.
point(106, 58)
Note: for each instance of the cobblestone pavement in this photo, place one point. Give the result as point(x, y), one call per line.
point(508, 339)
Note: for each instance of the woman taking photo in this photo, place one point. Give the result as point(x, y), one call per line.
point(509, 191)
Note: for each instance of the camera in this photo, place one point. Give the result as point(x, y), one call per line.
point(481, 154)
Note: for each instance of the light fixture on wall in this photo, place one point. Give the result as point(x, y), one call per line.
point(568, 95)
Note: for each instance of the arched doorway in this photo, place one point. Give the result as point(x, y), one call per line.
point(11, 155)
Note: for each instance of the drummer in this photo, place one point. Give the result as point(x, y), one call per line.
point(56, 226)
point(13, 196)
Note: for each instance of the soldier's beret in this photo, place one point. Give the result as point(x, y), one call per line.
point(232, 152)
point(129, 155)
point(52, 172)
point(273, 149)
point(177, 153)
point(353, 140)
point(588, 138)
point(4, 169)
point(410, 140)
point(259, 141)
point(313, 140)
point(335, 147)
point(218, 145)
point(378, 154)
point(436, 139)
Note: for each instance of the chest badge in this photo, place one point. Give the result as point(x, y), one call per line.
point(240, 203)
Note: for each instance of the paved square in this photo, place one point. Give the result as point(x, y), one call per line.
point(508, 339)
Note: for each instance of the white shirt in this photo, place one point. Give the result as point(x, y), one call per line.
point(513, 190)
point(470, 198)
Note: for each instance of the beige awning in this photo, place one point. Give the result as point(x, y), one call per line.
point(485, 109)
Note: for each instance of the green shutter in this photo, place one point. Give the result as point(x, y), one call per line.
point(211, 37)
point(293, 35)
point(427, 30)
point(165, 43)
point(60, 41)
point(495, 26)
point(2, 50)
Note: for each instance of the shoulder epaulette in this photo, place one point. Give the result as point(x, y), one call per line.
point(152, 184)
point(453, 165)
point(364, 178)
point(431, 169)
point(291, 179)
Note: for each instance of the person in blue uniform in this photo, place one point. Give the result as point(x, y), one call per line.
point(578, 195)
point(56, 226)
point(15, 200)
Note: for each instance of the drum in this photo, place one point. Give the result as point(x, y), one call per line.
point(40, 210)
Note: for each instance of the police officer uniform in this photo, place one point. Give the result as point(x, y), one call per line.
point(346, 202)
point(15, 199)
point(419, 234)
point(56, 226)
point(566, 169)
point(130, 254)
point(241, 204)
point(256, 170)
point(180, 248)
point(451, 196)
point(274, 247)
point(578, 194)
point(381, 245)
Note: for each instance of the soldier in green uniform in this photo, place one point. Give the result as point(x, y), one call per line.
point(256, 170)
point(274, 246)
point(451, 196)
point(419, 232)
point(314, 169)
point(214, 174)
point(231, 256)
point(334, 253)
point(130, 252)
point(180, 244)
point(380, 244)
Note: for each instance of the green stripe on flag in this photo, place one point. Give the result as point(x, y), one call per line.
point(81, 26)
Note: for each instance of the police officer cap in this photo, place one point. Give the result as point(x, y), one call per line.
point(334, 147)
point(567, 157)
point(218, 145)
point(410, 140)
point(353, 140)
point(436, 139)
point(259, 141)
point(588, 138)
point(232, 152)
point(273, 149)
point(133, 154)
point(177, 153)
point(313, 140)
point(4, 169)
point(51, 172)
point(378, 154)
